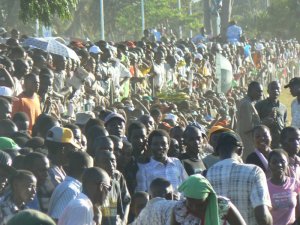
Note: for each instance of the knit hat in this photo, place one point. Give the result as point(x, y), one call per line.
point(8, 143)
point(30, 217)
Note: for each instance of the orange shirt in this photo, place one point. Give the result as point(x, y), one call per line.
point(31, 106)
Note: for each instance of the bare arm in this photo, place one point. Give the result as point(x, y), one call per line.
point(234, 217)
point(263, 215)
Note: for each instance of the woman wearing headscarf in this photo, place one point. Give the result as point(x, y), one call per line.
point(202, 206)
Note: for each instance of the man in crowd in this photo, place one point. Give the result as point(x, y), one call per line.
point(273, 113)
point(247, 116)
point(244, 184)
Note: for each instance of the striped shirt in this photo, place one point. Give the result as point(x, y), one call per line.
point(66, 191)
point(173, 171)
point(78, 212)
point(244, 184)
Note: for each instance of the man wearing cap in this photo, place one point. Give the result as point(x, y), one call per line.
point(244, 184)
point(294, 86)
point(115, 125)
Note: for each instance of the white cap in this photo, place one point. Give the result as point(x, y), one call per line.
point(95, 49)
point(7, 93)
point(198, 56)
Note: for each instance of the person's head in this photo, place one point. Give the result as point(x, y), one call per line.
point(200, 197)
point(162, 188)
point(78, 163)
point(94, 133)
point(159, 57)
point(255, 91)
point(21, 68)
point(274, 89)
point(294, 86)
point(106, 160)
point(177, 133)
point(5, 161)
point(23, 186)
point(46, 80)
point(174, 150)
point(38, 164)
point(59, 62)
point(5, 109)
point(76, 132)
point(229, 144)
point(21, 120)
point(118, 144)
point(7, 128)
point(290, 140)
point(262, 137)
point(138, 202)
point(137, 136)
point(106, 55)
point(96, 184)
point(193, 139)
point(31, 83)
point(126, 155)
point(214, 134)
point(159, 142)
point(115, 124)
point(102, 144)
point(278, 163)
point(156, 114)
point(92, 123)
point(148, 121)
point(30, 217)
point(15, 34)
point(43, 124)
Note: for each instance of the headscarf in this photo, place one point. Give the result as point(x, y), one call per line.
point(198, 187)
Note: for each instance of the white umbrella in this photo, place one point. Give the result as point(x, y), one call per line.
point(52, 46)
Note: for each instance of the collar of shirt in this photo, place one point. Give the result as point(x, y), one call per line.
point(276, 104)
point(73, 180)
point(155, 163)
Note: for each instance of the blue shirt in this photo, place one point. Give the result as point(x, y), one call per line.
point(68, 190)
point(233, 33)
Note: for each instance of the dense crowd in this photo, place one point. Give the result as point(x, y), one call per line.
point(143, 132)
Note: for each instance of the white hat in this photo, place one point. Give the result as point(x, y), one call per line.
point(198, 56)
point(259, 47)
point(7, 93)
point(95, 49)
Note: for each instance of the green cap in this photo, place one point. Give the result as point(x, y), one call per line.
point(30, 217)
point(8, 143)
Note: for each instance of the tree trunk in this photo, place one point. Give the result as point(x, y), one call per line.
point(225, 16)
point(207, 16)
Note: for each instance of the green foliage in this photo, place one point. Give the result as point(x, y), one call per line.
point(44, 10)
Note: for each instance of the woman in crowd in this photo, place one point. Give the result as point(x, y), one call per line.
point(262, 141)
point(202, 206)
point(284, 190)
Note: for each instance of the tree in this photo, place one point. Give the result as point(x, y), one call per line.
point(44, 10)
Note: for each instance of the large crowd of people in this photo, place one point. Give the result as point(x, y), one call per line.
point(138, 132)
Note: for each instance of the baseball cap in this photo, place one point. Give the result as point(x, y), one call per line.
point(8, 143)
point(61, 135)
point(95, 49)
point(7, 92)
point(113, 115)
point(30, 217)
point(293, 81)
point(217, 129)
point(229, 138)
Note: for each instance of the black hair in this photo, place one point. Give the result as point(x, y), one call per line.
point(155, 112)
point(20, 116)
point(43, 124)
point(139, 194)
point(158, 133)
point(158, 187)
point(285, 132)
point(277, 152)
point(134, 126)
point(93, 175)
point(91, 123)
point(78, 161)
point(5, 158)
point(260, 127)
point(20, 175)
point(253, 85)
point(31, 158)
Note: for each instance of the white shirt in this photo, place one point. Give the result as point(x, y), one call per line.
point(295, 107)
point(78, 212)
point(173, 171)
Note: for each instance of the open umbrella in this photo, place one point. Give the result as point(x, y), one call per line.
point(52, 46)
